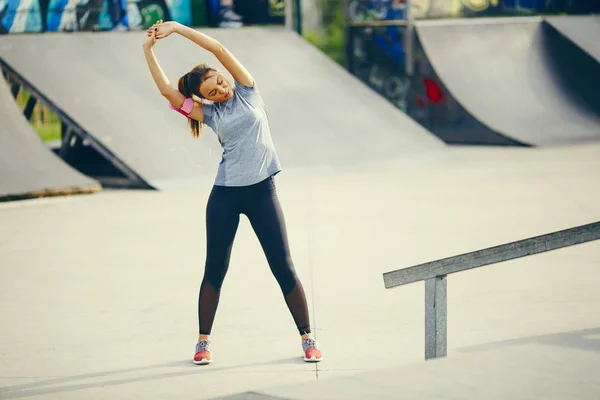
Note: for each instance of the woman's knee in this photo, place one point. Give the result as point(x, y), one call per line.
point(286, 278)
point(215, 275)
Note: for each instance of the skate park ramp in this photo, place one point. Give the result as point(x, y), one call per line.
point(27, 167)
point(320, 115)
point(583, 30)
point(506, 73)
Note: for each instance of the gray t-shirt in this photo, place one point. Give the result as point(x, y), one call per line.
point(242, 127)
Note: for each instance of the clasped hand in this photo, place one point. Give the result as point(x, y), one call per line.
point(159, 30)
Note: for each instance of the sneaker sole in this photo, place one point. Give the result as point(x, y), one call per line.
point(202, 362)
point(313, 359)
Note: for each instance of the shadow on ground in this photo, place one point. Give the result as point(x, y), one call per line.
point(46, 386)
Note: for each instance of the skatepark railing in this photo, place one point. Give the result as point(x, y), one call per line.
point(434, 274)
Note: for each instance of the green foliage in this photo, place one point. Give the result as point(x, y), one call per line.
point(49, 131)
point(331, 42)
point(43, 121)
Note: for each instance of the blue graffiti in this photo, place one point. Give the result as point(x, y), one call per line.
point(389, 39)
point(25, 15)
point(18, 16)
point(86, 15)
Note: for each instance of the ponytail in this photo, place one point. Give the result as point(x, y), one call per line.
point(188, 85)
point(184, 88)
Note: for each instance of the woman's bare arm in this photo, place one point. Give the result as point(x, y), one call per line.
point(228, 60)
point(162, 82)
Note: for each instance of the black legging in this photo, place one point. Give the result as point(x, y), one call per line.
point(259, 202)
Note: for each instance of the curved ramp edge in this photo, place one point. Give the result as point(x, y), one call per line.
point(501, 72)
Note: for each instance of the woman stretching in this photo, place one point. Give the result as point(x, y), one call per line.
point(245, 179)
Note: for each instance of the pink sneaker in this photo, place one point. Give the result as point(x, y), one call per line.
point(311, 352)
point(203, 356)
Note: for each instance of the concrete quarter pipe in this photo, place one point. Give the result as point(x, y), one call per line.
point(320, 115)
point(583, 30)
point(500, 72)
point(27, 167)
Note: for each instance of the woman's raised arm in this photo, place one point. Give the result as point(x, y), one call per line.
point(173, 95)
point(158, 75)
point(228, 60)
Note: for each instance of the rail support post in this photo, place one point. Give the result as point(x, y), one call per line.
point(435, 317)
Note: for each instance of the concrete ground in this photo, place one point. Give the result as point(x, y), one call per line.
point(98, 293)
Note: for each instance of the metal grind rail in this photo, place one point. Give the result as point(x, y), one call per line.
point(434, 274)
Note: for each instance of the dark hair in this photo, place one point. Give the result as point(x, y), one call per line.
point(189, 85)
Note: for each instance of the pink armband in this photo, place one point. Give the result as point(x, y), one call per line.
point(186, 108)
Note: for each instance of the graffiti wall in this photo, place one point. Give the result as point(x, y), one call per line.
point(382, 10)
point(18, 16)
point(377, 58)
point(252, 12)
point(376, 10)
